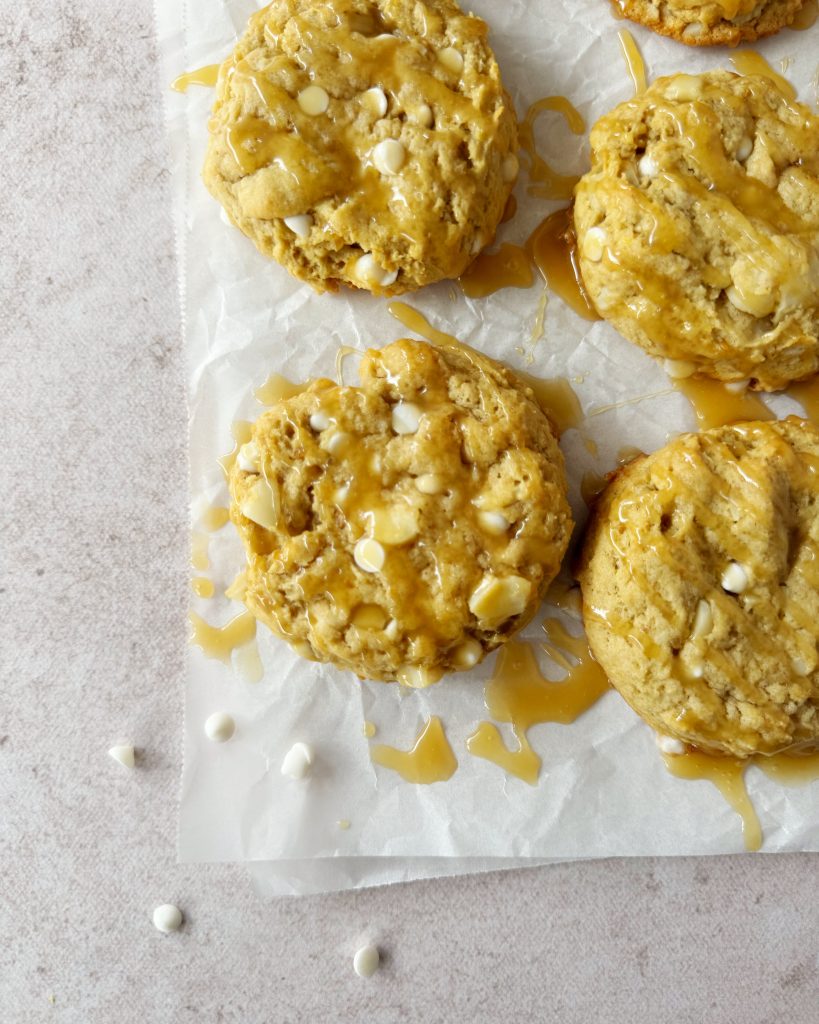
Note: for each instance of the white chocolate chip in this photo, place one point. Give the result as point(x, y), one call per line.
point(510, 167)
point(421, 115)
point(389, 156)
point(342, 494)
point(225, 219)
point(406, 417)
point(167, 918)
point(703, 620)
point(335, 443)
point(679, 369)
point(744, 149)
point(594, 244)
point(478, 243)
point(391, 630)
point(735, 578)
point(800, 666)
point(369, 555)
point(669, 745)
point(300, 224)
point(248, 457)
point(123, 753)
point(684, 87)
point(758, 304)
point(648, 166)
point(493, 522)
point(396, 524)
point(369, 273)
point(451, 59)
point(366, 961)
point(497, 599)
point(219, 727)
point(319, 420)
point(297, 761)
point(313, 100)
point(736, 387)
point(374, 101)
point(467, 654)
point(417, 677)
point(693, 30)
point(261, 505)
point(429, 483)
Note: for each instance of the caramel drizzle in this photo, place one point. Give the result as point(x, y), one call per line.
point(220, 641)
point(553, 249)
point(206, 76)
point(806, 16)
point(749, 62)
point(544, 181)
point(203, 587)
point(242, 431)
point(635, 65)
point(509, 267)
point(715, 405)
point(276, 388)
point(807, 394)
point(431, 758)
point(215, 518)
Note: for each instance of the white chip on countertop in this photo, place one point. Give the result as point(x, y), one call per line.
point(219, 727)
point(297, 761)
point(167, 918)
point(366, 961)
point(124, 753)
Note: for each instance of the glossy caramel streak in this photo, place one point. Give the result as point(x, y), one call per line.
point(544, 181)
point(553, 248)
point(430, 760)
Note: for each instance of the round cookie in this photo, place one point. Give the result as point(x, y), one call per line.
point(701, 588)
point(698, 227)
point(406, 527)
point(368, 143)
point(713, 22)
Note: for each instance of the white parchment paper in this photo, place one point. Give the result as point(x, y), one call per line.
point(603, 789)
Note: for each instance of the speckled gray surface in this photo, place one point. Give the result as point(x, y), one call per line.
point(93, 553)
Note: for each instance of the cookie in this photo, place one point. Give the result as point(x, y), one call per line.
point(714, 22)
point(698, 227)
point(369, 144)
point(406, 527)
point(700, 581)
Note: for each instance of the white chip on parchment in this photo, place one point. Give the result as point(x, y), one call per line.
point(167, 918)
point(219, 727)
point(297, 761)
point(124, 753)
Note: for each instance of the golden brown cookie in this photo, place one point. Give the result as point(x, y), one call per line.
point(700, 580)
point(713, 22)
point(698, 227)
point(368, 143)
point(406, 527)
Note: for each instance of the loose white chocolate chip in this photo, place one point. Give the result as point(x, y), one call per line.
point(417, 677)
point(648, 166)
point(421, 115)
point(261, 505)
point(510, 167)
point(396, 524)
point(736, 387)
point(313, 100)
point(703, 620)
point(734, 579)
point(389, 156)
point(219, 727)
point(374, 101)
point(594, 244)
point(406, 417)
point(369, 555)
point(679, 369)
point(467, 654)
point(493, 522)
point(319, 420)
point(300, 224)
point(335, 443)
point(669, 745)
point(167, 918)
point(451, 59)
point(368, 272)
point(366, 961)
point(248, 457)
point(744, 149)
point(497, 599)
point(123, 753)
point(297, 761)
point(429, 483)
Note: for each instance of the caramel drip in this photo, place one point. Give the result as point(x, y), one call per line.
point(202, 586)
point(215, 518)
point(344, 352)
point(715, 406)
point(276, 388)
point(199, 551)
point(242, 431)
point(553, 248)
point(749, 62)
point(519, 693)
point(509, 267)
point(430, 760)
point(545, 182)
point(248, 662)
point(220, 641)
point(790, 769)
point(728, 775)
point(635, 65)
point(807, 394)
point(201, 76)
point(369, 730)
point(538, 326)
point(806, 16)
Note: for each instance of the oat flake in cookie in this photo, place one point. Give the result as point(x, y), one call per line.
point(700, 584)
point(365, 144)
point(698, 227)
point(406, 527)
point(712, 22)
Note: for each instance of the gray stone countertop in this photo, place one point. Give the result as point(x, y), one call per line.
point(92, 622)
